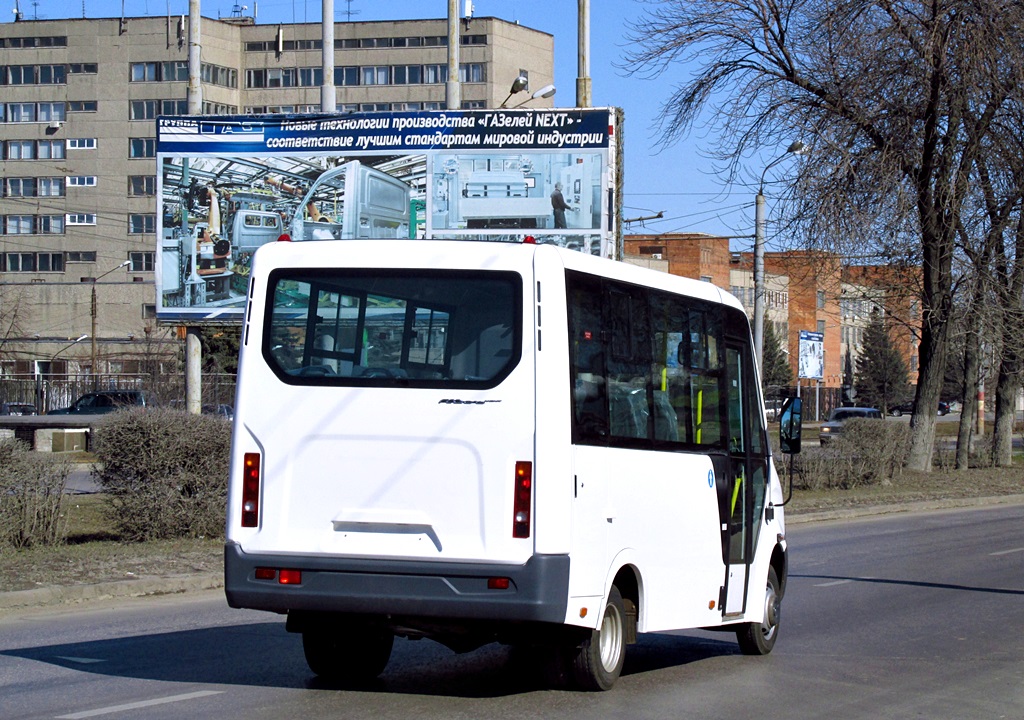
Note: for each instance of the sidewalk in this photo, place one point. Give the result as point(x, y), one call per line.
point(69, 594)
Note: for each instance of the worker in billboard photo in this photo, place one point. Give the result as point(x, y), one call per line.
point(559, 206)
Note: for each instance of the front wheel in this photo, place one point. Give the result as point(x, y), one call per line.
point(597, 662)
point(758, 638)
point(347, 652)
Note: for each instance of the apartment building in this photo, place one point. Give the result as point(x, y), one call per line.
point(804, 290)
point(80, 97)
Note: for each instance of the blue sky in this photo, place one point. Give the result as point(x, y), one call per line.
point(674, 179)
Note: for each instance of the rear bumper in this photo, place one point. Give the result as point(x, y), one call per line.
point(538, 590)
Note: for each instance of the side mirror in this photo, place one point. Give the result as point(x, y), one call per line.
point(790, 428)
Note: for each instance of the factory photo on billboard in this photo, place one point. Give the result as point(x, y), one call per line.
point(228, 185)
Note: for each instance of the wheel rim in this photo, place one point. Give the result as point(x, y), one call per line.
point(611, 638)
point(770, 623)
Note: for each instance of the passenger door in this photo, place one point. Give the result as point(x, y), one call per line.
point(747, 473)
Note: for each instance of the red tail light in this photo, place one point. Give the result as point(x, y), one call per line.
point(521, 502)
point(251, 490)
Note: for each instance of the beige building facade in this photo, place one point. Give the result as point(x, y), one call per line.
point(77, 128)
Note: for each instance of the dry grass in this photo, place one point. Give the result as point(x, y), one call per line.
point(94, 554)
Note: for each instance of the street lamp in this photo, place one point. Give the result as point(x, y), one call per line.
point(759, 223)
point(545, 92)
point(92, 312)
point(518, 85)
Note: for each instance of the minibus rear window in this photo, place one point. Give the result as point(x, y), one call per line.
point(393, 328)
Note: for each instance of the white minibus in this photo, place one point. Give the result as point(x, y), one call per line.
point(482, 442)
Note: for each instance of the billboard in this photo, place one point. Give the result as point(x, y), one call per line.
point(812, 355)
point(228, 184)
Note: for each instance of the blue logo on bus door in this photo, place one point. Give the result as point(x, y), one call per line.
point(711, 478)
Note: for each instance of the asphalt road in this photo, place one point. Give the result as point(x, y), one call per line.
point(908, 616)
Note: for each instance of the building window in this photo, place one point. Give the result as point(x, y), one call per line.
point(50, 187)
point(174, 107)
point(82, 68)
point(34, 262)
point(148, 312)
point(144, 72)
point(81, 218)
point(142, 110)
point(49, 112)
point(19, 224)
point(20, 187)
point(81, 256)
point(81, 143)
point(82, 106)
point(174, 71)
point(142, 261)
point(139, 224)
point(82, 181)
point(20, 150)
point(142, 185)
point(51, 224)
point(821, 327)
point(821, 299)
point(50, 149)
point(141, 147)
point(473, 40)
point(346, 75)
point(32, 42)
point(705, 278)
point(471, 73)
point(376, 75)
point(21, 112)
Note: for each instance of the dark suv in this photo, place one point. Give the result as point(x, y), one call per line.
point(105, 401)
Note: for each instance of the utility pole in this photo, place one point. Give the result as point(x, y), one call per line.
point(583, 54)
point(193, 345)
point(328, 95)
point(452, 88)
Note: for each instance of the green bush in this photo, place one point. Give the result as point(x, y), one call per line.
point(867, 452)
point(31, 496)
point(165, 472)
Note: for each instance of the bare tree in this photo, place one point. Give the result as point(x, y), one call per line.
point(896, 98)
point(12, 313)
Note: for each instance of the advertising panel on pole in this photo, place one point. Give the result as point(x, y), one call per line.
point(812, 355)
point(227, 185)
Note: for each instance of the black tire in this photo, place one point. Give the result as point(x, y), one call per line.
point(597, 661)
point(758, 638)
point(896, 412)
point(347, 652)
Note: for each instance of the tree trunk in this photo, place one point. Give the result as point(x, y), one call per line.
point(972, 371)
point(1007, 383)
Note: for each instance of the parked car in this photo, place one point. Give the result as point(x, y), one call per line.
point(17, 408)
point(834, 425)
point(223, 410)
point(908, 409)
point(105, 401)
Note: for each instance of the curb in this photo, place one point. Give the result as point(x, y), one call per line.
point(907, 507)
point(67, 594)
point(141, 587)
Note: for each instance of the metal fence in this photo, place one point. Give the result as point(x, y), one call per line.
point(50, 392)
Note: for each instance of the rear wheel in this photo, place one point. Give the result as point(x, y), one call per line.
point(597, 662)
point(758, 638)
point(347, 652)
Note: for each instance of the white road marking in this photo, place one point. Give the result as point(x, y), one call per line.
point(140, 704)
point(1006, 552)
point(80, 660)
point(834, 583)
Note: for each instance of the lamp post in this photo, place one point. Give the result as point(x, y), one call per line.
point(759, 225)
point(92, 313)
point(42, 392)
